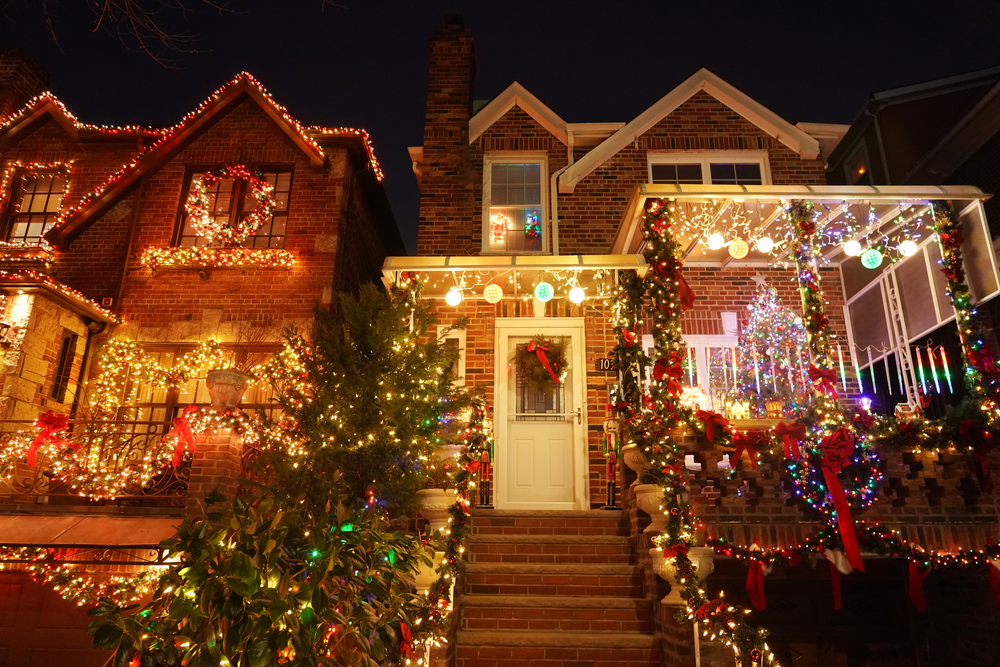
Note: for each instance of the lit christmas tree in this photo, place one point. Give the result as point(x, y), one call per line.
point(772, 358)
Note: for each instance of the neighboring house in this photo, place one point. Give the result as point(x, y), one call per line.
point(98, 245)
point(516, 199)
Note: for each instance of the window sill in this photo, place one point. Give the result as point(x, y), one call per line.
point(216, 258)
point(20, 256)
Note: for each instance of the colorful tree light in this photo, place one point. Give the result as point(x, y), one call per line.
point(544, 292)
point(493, 293)
point(871, 258)
point(738, 249)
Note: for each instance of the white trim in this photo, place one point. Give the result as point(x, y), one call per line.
point(445, 332)
point(708, 158)
point(802, 143)
point(516, 157)
point(516, 94)
point(574, 328)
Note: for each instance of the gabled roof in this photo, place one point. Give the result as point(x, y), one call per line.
point(528, 103)
point(21, 122)
point(768, 121)
point(74, 221)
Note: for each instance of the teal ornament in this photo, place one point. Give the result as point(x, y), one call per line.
point(544, 292)
point(871, 258)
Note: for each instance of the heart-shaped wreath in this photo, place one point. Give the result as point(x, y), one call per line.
point(204, 223)
point(542, 362)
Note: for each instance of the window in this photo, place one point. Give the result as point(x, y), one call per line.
point(37, 201)
point(857, 168)
point(230, 201)
point(67, 353)
point(454, 339)
point(720, 168)
point(514, 203)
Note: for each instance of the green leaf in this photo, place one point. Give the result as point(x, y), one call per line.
point(107, 636)
point(261, 652)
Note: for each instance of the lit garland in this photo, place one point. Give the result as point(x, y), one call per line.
point(220, 258)
point(200, 214)
point(356, 132)
point(30, 276)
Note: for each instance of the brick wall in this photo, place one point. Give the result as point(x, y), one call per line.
point(21, 78)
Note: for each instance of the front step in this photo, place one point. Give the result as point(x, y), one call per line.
point(553, 579)
point(521, 522)
point(573, 614)
point(630, 649)
point(568, 549)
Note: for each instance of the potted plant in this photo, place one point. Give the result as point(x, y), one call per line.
point(437, 499)
point(227, 383)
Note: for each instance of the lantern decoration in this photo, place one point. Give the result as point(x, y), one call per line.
point(498, 227)
point(852, 248)
point(493, 293)
point(871, 258)
point(544, 292)
point(453, 297)
point(907, 248)
point(577, 295)
point(716, 241)
point(765, 244)
point(738, 248)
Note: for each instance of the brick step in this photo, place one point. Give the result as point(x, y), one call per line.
point(574, 614)
point(479, 648)
point(553, 579)
point(539, 522)
point(571, 549)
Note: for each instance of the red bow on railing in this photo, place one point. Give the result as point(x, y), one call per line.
point(672, 469)
point(185, 438)
point(908, 431)
point(916, 585)
point(629, 337)
point(670, 369)
point(977, 438)
point(824, 379)
point(746, 440)
point(864, 420)
point(674, 550)
point(837, 449)
point(709, 608)
point(755, 584)
point(711, 420)
point(540, 351)
point(50, 423)
point(791, 435)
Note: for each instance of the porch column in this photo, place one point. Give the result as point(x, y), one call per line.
point(215, 463)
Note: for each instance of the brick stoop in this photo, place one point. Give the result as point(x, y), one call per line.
point(559, 589)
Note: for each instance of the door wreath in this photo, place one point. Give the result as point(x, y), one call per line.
point(542, 362)
point(205, 223)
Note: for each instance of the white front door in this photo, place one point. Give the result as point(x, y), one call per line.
point(541, 449)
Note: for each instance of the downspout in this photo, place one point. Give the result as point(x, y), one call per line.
point(128, 246)
point(881, 146)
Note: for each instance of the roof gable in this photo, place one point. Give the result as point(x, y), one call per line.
point(74, 221)
point(516, 94)
point(806, 146)
point(21, 123)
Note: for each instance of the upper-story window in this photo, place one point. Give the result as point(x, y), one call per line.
point(35, 203)
point(231, 200)
point(514, 208)
point(858, 172)
point(721, 168)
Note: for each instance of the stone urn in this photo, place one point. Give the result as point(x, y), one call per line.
point(226, 387)
point(426, 575)
point(634, 460)
point(434, 505)
point(649, 498)
point(702, 562)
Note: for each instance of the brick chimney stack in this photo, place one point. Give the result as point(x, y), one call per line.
point(448, 182)
point(21, 78)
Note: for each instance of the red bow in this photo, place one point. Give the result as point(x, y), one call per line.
point(540, 351)
point(952, 240)
point(791, 435)
point(709, 608)
point(628, 336)
point(755, 584)
point(908, 430)
point(916, 586)
point(473, 466)
point(672, 469)
point(671, 370)
point(405, 647)
point(674, 550)
point(685, 292)
point(746, 440)
point(980, 440)
point(824, 379)
point(837, 449)
point(182, 429)
point(711, 420)
point(835, 583)
point(864, 420)
point(50, 423)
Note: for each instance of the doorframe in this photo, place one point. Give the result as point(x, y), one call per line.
point(575, 329)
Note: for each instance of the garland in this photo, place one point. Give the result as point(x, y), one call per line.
point(202, 218)
point(542, 362)
point(219, 258)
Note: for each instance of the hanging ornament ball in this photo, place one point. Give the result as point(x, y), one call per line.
point(871, 258)
point(577, 295)
point(907, 248)
point(453, 297)
point(738, 249)
point(493, 293)
point(852, 248)
point(544, 292)
point(765, 244)
point(716, 241)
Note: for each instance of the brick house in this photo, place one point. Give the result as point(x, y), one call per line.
point(552, 577)
point(98, 246)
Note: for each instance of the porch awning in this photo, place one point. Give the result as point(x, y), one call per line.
point(64, 531)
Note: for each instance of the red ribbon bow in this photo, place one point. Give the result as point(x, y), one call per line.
point(976, 437)
point(824, 379)
point(405, 646)
point(916, 586)
point(50, 423)
point(629, 337)
point(908, 431)
point(669, 368)
point(791, 435)
point(540, 351)
point(746, 440)
point(709, 608)
point(185, 438)
point(755, 584)
point(685, 292)
point(711, 420)
point(837, 449)
point(473, 466)
point(674, 550)
point(864, 420)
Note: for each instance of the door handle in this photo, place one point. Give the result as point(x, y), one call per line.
point(579, 415)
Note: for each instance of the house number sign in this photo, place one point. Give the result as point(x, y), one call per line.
point(605, 364)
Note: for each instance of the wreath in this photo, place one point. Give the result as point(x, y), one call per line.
point(203, 221)
point(542, 362)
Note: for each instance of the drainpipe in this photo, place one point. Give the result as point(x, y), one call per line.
point(554, 205)
point(881, 146)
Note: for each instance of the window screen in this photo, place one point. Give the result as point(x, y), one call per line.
point(868, 323)
point(914, 288)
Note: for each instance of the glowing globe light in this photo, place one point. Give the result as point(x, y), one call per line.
point(738, 249)
point(544, 292)
point(907, 248)
point(493, 293)
point(871, 258)
point(577, 295)
point(716, 241)
point(453, 297)
point(765, 244)
point(852, 248)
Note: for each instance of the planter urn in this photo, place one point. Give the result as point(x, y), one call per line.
point(702, 563)
point(649, 498)
point(434, 505)
point(226, 387)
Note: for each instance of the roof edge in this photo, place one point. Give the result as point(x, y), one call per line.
point(516, 94)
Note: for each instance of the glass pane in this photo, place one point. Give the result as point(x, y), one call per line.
point(515, 229)
point(539, 402)
point(676, 174)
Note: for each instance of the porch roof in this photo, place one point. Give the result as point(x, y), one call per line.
point(751, 212)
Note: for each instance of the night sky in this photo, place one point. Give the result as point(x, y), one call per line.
point(364, 64)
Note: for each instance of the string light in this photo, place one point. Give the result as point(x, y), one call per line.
point(493, 293)
point(577, 295)
point(453, 297)
point(224, 258)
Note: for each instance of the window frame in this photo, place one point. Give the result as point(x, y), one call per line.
point(446, 332)
point(515, 157)
point(707, 158)
point(861, 150)
point(193, 170)
point(63, 371)
point(15, 194)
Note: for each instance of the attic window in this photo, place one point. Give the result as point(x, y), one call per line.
point(514, 204)
point(37, 201)
point(719, 168)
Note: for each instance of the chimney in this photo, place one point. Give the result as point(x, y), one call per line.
point(21, 78)
point(447, 180)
